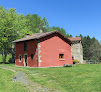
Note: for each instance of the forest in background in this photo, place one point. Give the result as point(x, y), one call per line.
point(14, 26)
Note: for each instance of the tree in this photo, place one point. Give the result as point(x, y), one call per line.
point(9, 26)
point(7, 30)
point(91, 48)
point(86, 42)
point(34, 23)
point(14, 26)
point(61, 30)
point(95, 50)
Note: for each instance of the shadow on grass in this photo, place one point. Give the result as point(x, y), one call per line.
point(7, 63)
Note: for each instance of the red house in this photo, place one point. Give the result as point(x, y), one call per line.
point(43, 50)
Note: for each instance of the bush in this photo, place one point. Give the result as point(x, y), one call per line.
point(75, 61)
point(11, 61)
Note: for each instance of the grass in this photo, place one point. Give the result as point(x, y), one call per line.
point(8, 56)
point(80, 78)
point(6, 84)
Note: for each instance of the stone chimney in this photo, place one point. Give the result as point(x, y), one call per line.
point(41, 31)
point(27, 35)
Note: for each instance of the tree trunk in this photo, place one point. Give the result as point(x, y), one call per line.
point(4, 55)
point(13, 57)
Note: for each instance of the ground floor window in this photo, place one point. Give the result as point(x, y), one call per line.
point(31, 56)
point(61, 56)
point(20, 57)
point(72, 57)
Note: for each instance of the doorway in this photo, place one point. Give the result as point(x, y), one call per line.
point(25, 60)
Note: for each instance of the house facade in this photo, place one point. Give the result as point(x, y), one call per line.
point(77, 49)
point(48, 49)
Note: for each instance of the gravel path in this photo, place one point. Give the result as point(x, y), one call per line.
point(31, 86)
point(21, 78)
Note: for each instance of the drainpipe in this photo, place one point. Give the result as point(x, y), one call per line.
point(37, 53)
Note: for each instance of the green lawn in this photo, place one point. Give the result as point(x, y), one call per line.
point(6, 83)
point(80, 78)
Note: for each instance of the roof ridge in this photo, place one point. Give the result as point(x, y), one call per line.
point(40, 35)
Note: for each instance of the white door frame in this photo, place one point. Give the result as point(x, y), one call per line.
point(24, 59)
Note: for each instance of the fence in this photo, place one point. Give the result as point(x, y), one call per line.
point(91, 62)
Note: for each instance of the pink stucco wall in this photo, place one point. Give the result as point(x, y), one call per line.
point(50, 49)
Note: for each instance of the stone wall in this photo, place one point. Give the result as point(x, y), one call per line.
point(77, 51)
point(39, 56)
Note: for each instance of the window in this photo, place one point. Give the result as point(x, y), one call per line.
point(31, 56)
point(25, 46)
point(61, 56)
point(72, 57)
point(20, 58)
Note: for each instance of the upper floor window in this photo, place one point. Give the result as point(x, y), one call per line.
point(25, 46)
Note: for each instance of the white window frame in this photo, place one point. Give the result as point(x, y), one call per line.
point(24, 58)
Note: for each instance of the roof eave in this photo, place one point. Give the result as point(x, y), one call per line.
point(44, 36)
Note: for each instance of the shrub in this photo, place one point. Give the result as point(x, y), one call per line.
point(11, 61)
point(75, 61)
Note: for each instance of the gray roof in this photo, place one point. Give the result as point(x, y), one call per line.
point(40, 35)
point(75, 39)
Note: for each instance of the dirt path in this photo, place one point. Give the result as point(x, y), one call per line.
point(31, 86)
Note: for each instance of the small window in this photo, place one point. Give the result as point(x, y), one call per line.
point(20, 58)
point(31, 56)
point(61, 56)
point(72, 57)
point(25, 46)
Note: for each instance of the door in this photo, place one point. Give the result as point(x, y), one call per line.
point(26, 62)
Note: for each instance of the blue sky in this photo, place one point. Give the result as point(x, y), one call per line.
point(75, 16)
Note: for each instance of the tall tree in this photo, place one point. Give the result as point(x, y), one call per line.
point(8, 18)
point(35, 23)
point(91, 48)
point(95, 50)
point(63, 31)
point(9, 26)
point(86, 41)
point(14, 26)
